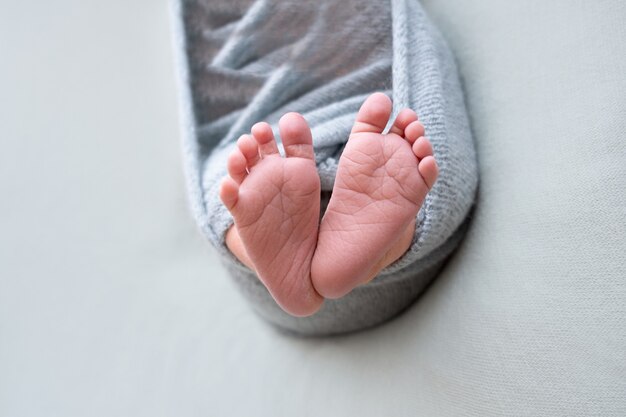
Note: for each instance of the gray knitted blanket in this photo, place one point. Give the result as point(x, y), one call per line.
point(244, 61)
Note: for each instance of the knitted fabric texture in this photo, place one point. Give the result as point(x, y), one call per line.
point(244, 61)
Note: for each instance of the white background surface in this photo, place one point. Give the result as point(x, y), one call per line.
point(112, 304)
point(106, 287)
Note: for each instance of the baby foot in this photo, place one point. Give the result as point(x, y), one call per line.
point(275, 203)
point(381, 183)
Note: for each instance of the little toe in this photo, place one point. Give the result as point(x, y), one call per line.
point(264, 136)
point(296, 136)
point(403, 119)
point(429, 170)
point(373, 114)
point(249, 149)
point(229, 193)
point(414, 131)
point(422, 147)
point(236, 166)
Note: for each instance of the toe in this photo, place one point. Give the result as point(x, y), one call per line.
point(404, 119)
point(296, 136)
point(428, 170)
point(422, 147)
point(373, 114)
point(414, 131)
point(236, 165)
point(249, 149)
point(229, 193)
point(262, 133)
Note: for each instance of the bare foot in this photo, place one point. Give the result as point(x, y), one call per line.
point(275, 202)
point(381, 183)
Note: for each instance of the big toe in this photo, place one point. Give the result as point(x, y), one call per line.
point(373, 114)
point(296, 136)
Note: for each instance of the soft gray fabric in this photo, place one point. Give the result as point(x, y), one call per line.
point(255, 60)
